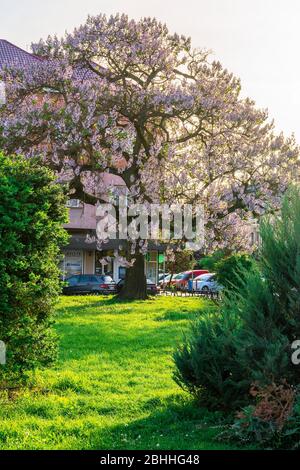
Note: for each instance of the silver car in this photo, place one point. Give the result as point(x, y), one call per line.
point(205, 283)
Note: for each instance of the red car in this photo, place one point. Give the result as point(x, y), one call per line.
point(171, 280)
point(182, 284)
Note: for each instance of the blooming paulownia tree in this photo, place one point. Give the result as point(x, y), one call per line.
point(130, 98)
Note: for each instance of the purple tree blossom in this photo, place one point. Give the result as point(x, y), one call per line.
point(130, 98)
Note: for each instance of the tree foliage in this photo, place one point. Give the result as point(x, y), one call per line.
point(180, 261)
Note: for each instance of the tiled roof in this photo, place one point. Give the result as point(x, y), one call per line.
point(11, 54)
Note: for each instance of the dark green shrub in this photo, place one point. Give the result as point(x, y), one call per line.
point(266, 312)
point(205, 364)
point(209, 262)
point(248, 429)
point(269, 301)
point(290, 434)
point(32, 210)
point(232, 269)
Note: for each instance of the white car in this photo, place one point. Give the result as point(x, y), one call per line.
point(162, 277)
point(205, 283)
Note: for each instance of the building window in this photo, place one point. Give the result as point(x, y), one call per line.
point(72, 263)
point(152, 266)
point(103, 263)
point(122, 272)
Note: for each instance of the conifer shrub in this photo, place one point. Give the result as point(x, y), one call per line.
point(231, 270)
point(250, 339)
point(206, 366)
point(210, 261)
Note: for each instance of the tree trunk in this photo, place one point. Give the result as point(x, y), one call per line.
point(135, 286)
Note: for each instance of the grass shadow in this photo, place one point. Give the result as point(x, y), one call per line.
point(174, 424)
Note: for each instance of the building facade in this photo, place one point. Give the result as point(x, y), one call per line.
point(81, 255)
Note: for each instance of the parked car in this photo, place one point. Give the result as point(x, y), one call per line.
point(205, 283)
point(171, 280)
point(182, 283)
point(89, 284)
point(164, 280)
point(162, 276)
point(151, 286)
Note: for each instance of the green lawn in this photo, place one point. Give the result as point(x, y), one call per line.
point(112, 387)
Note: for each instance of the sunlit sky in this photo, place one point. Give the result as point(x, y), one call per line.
point(258, 40)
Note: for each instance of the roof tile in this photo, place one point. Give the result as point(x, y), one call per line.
point(11, 54)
